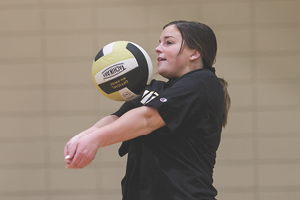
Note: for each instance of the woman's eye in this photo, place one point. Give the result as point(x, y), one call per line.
point(169, 42)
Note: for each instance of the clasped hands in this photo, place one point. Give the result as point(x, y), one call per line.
point(80, 151)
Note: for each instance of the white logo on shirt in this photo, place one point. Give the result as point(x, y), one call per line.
point(148, 96)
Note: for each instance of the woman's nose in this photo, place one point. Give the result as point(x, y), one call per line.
point(158, 49)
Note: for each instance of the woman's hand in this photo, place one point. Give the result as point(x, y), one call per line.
point(82, 144)
point(80, 151)
point(70, 148)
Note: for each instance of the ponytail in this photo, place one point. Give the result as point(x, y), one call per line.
point(226, 101)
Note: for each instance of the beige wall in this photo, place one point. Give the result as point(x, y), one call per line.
point(47, 94)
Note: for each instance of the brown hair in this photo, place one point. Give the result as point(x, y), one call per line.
point(201, 37)
point(227, 101)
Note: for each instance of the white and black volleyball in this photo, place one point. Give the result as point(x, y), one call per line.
point(121, 70)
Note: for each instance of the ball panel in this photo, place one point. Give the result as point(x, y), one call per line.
point(108, 48)
point(99, 55)
point(114, 84)
point(127, 94)
point(149, 62)
point(120, 45)
point(116, 96)
point(113, 96)
point(142, 62)
point(117, 69)
point(110, 59)
point(136, 79)
point(130, 80)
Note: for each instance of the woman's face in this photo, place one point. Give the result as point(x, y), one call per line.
point(170, 63)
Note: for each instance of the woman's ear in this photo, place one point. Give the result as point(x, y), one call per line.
point(196, 54)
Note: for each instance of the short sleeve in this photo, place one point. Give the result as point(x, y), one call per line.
point(179, 102)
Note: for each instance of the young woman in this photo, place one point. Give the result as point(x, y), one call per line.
point(172, 131)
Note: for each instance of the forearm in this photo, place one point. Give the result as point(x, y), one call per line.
point(101, 123)
point(134, 123)
point(105, 121)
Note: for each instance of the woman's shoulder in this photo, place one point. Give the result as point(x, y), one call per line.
point(203, 79)
point(197, 77)
point(200, 73)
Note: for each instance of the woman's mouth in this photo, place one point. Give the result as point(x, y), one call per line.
point(161, 59)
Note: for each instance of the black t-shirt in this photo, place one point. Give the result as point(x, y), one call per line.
point(176, 161)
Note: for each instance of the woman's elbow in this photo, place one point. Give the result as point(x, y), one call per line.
point(153, 119)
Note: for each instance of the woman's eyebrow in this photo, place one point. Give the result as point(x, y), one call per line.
point(166, 37)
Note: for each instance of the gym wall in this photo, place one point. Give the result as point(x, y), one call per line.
point(47, 93)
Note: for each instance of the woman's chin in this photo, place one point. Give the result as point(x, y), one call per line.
point(160, 72)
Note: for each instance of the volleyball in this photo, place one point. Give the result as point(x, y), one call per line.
point(121, 70)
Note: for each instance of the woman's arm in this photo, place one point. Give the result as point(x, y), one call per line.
point(105, 121)
point(102, 122)
point(71, 146)
point(134, 123)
